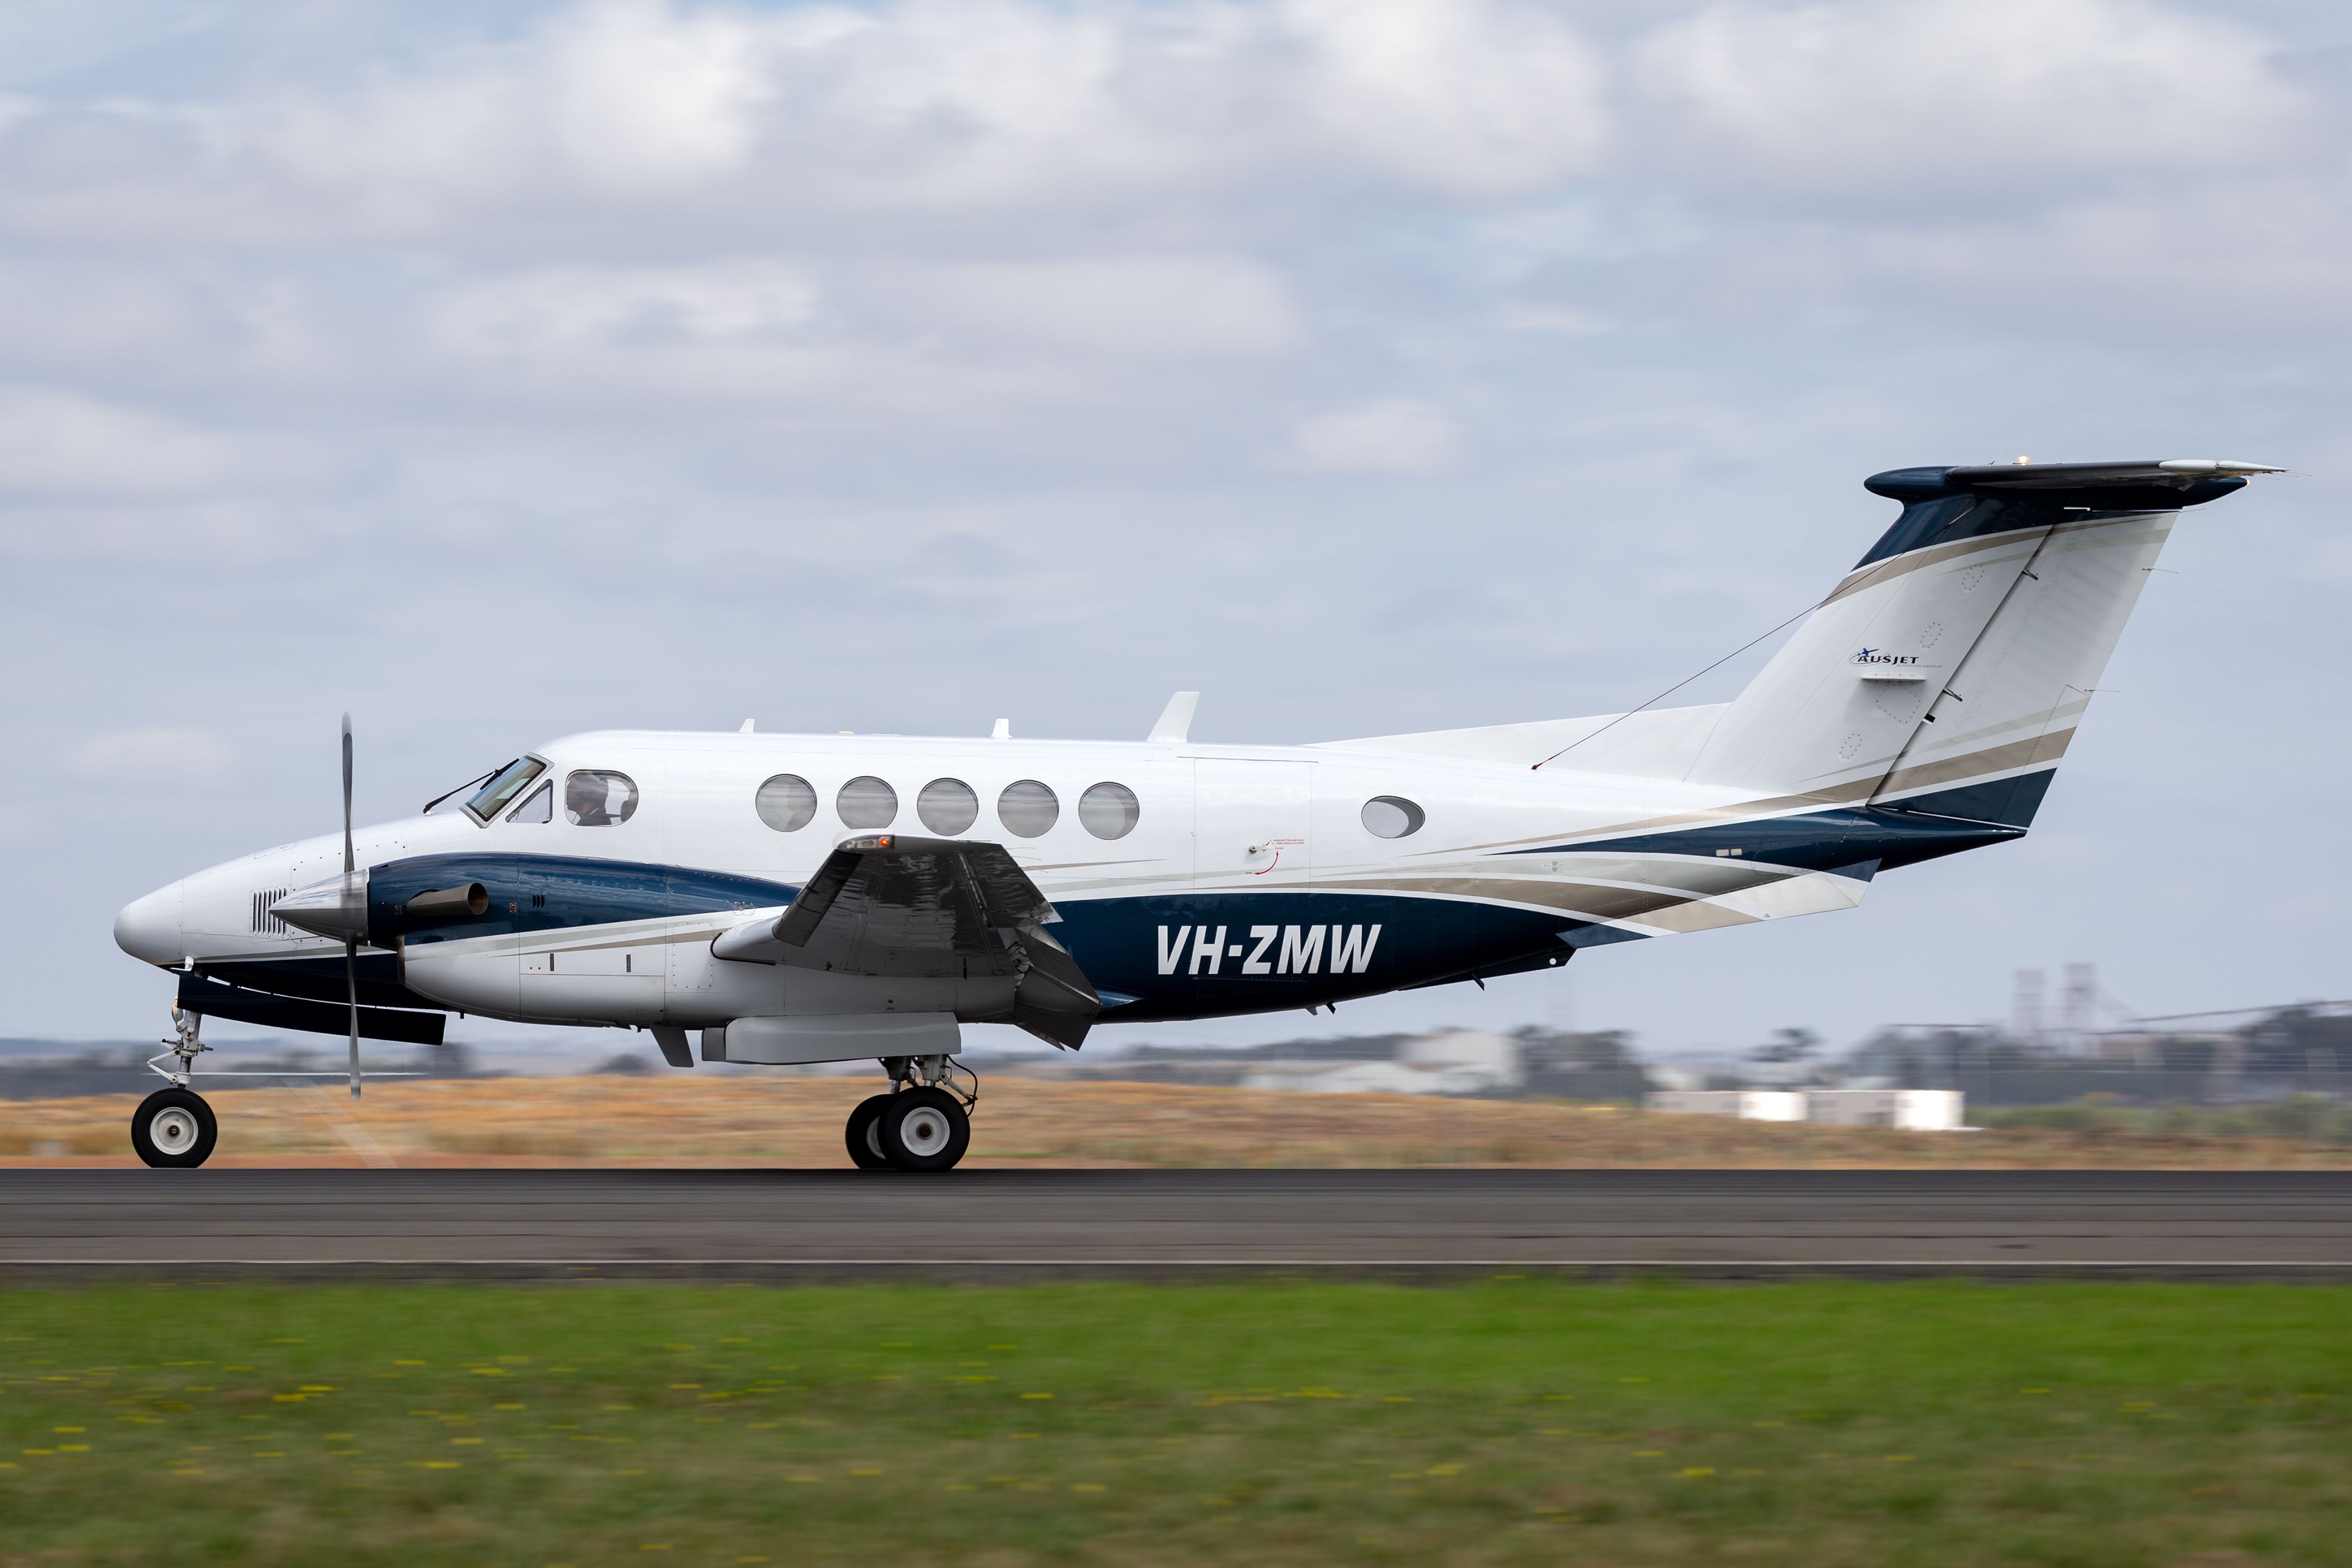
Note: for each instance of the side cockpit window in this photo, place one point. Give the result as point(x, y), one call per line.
point(593, 799)
point(540, 808)
point(505, 787)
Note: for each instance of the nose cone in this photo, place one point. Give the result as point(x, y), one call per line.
point(150, 928)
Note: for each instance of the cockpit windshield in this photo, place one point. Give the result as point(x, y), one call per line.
point(505, 784)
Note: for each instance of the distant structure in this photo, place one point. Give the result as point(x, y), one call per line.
point(1460, 1061)
point(1747, 1104)
point(2025, 1006)
point(1907, 1110)
point(2246, 1056)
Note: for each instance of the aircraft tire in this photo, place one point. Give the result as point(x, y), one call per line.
point(864, 1134)
point(924, 1129)
point(173, 1129)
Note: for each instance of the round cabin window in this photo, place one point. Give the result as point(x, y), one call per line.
point(1027, 807)
point(948, 807)
point(1109, 810)
point(867, 803)
point(787, 803)
point(1393, 817)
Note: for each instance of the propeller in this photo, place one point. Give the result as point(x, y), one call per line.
point(351, 943)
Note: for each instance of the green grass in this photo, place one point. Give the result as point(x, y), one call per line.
point(1507, 1422)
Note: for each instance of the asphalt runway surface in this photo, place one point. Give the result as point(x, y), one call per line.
point(994, 1223)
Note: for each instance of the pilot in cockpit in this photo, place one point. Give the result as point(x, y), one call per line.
point(585, 795)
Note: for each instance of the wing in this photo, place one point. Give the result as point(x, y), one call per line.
point(929, 908)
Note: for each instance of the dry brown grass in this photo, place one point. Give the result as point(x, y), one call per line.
point(791, 1121)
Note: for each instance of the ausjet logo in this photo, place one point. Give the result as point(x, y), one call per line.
point(1877, 657)
point(1293, 949)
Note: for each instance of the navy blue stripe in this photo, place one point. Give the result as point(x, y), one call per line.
point(552, 893)
point(2010, 801)
point(1817, 841)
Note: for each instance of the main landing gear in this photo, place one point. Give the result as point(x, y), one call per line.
point(174, 1127)
point(923, 1124)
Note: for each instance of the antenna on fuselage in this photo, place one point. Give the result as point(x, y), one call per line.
point(1175, 722)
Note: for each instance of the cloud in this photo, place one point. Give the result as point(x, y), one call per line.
point(561, 308)
point(2263, 257)
point(764, 121)
point(1152, 306)
point(62, 444)
point(1466, 95)
point(1974, 93)
point(1402, 436)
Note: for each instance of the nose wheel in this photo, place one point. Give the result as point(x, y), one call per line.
point(174, 1128)
point(924, 1124)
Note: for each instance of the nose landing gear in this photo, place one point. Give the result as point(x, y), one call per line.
point(924, 1123)
point(174, 1127)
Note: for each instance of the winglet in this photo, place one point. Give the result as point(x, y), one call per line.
point(1175, 722)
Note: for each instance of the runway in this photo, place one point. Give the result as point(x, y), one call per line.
point(795, 1224)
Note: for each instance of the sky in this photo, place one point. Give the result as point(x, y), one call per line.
point(500, 370)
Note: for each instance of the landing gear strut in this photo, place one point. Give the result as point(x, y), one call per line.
point(174, 1127)
point(924, 1123)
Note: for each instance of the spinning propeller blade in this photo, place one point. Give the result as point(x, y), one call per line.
point(351, 943)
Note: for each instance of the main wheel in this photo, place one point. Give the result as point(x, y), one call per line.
point(924, 1129)
point(864, 1134)
point(174, 1127)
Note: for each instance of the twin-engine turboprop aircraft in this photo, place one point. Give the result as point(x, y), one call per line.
point(798, 898)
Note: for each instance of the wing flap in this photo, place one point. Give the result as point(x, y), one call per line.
point(904, 908)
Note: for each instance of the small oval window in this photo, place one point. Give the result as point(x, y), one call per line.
point(1109, 810)
point(787, 803)
point(592, 799)
point(948, 806)
point(867, 803)
point(1393, 817)
point(1027, 807)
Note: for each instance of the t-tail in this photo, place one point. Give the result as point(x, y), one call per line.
point(1948, 673)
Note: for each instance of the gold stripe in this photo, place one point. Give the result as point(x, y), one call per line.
point(1994, 759)
point(1689, 917)
point(1871, 576)
point(1586, 899)
point(1882, 571)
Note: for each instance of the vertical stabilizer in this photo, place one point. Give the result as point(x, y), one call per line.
point(1947, 672)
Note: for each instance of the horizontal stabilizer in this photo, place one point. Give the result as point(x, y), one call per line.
point(2140, 485)
point(2178, 471)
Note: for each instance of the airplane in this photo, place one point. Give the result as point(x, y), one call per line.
point(787, 899)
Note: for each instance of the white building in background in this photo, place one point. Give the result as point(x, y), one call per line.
point(1911, 1110)
point(1748, 1104)
point(1908, 1110)
point(1492, 1060)
point(1457, 1061)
